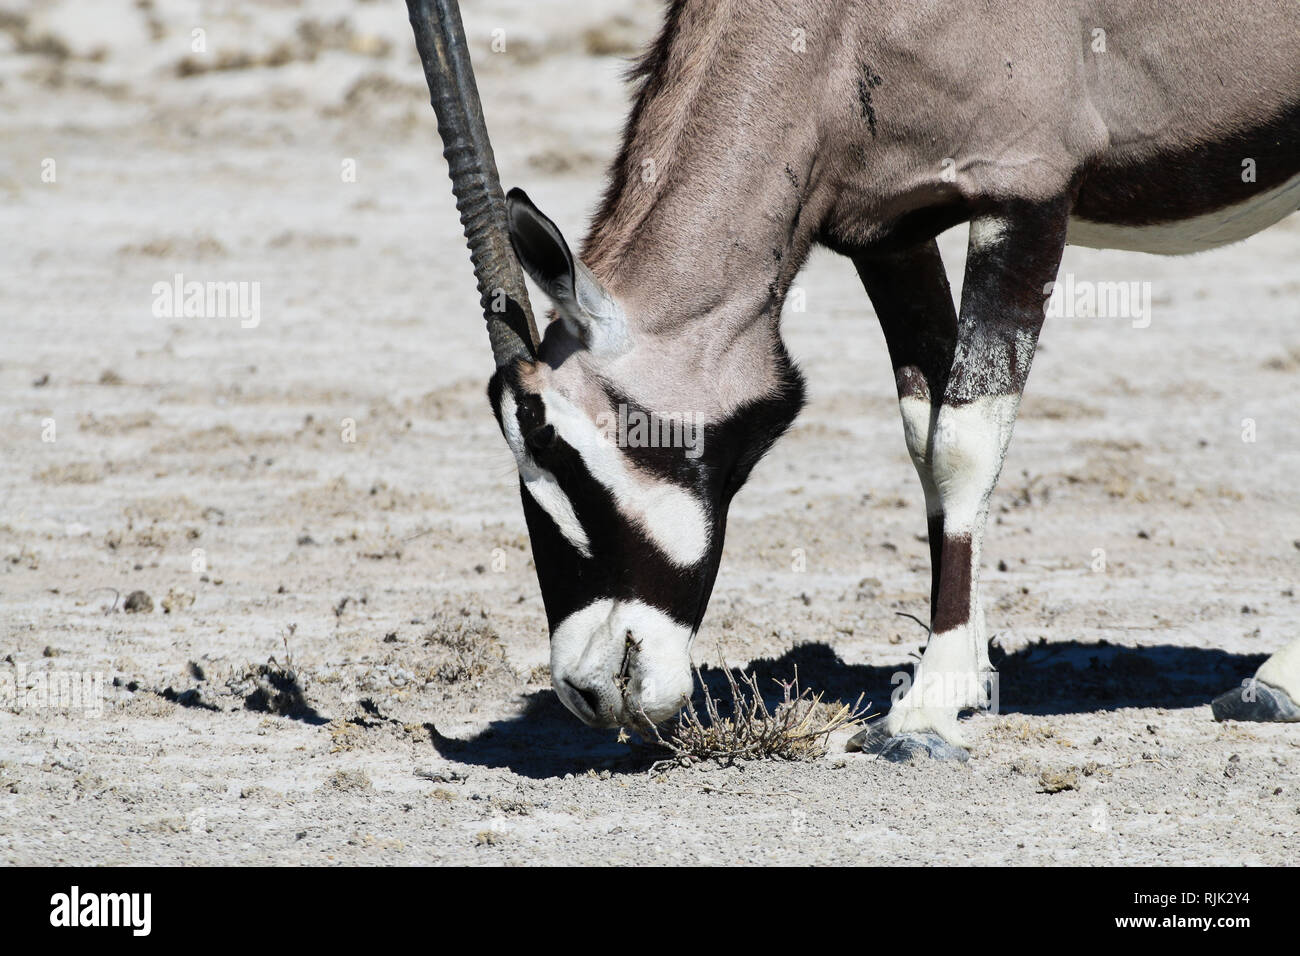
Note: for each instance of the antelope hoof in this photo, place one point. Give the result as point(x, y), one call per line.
point(1255, 701)
point(904, 747)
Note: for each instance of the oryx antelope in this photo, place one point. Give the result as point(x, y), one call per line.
point(762, 127)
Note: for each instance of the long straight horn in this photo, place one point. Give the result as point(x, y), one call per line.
point(440, 38)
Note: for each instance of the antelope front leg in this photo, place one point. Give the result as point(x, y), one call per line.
point(1013, 255)
point(914, 305)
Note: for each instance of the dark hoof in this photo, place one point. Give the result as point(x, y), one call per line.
point(1269, 704)
point(904, 747)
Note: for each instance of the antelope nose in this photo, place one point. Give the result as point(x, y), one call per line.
point(589, 697)
point(587, 701)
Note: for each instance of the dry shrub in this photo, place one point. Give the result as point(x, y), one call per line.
point(472, 646)
point(273, 689)
point(797, 729)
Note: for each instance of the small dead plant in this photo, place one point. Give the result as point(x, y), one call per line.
point(797, 729)
point(274, 687)
point(471, 646)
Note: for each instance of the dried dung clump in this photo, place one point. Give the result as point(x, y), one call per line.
point(349, 781)
point(138, 602)
point(1054, 781)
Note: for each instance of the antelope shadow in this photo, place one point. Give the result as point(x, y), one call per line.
point(542, 739)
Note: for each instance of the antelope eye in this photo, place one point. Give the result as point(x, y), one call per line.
point(541, 439)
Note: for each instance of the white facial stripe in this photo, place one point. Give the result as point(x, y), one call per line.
point(540, 483)
point(674, 518)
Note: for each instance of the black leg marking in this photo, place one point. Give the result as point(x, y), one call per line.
point(913, 302)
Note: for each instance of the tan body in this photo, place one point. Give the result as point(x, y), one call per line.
point(749, 142)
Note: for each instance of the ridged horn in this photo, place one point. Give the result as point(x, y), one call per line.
point(440, 38)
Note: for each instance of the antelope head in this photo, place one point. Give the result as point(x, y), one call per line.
point(626, 504)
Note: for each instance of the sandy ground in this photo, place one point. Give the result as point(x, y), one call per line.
point(1142, 555)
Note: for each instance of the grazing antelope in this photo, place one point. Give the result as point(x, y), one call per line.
point(760, 128)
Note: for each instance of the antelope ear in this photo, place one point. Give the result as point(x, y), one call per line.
point(588, 311)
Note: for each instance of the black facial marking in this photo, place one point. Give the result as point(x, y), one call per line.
point(624, 562)
point(726, 451)
point(529, 412)
point(729, 451)
point(541, 440)
point(494, 388)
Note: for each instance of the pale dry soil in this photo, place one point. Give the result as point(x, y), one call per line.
point(375, 598)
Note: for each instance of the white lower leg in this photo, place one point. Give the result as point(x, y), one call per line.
point(948, 680)
point(964, 458)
